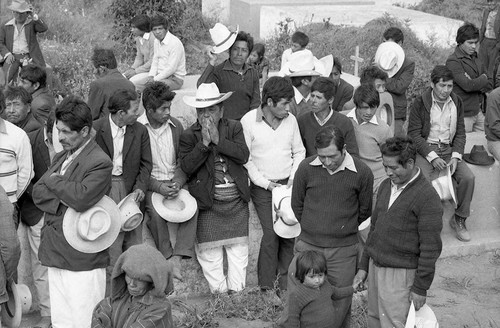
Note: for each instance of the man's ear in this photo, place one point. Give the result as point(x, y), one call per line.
point(85, 131)
point(270, 102)
point(36, 85)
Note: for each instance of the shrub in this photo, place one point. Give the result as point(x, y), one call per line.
point(465, 10)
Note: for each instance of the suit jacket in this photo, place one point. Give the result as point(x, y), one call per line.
point(397, 86)
point(43, 103)
point(136, 153)
point(31, 29)
point(85, 182)
point(30, 124)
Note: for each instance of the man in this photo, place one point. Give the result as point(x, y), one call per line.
point(144, 45)
point(298, 42)
point(343, 91)
point(273, 138)
point(470, 79)
point(404, 242)
point(169, 60)
point(18, 39)
point(437, 128)
point(489, 35)
point(331, 196)
point(167, 178)
point(34, 79)
point(109, 80)
point(126, 142)
point(78, 177)
point(492, 123)
point(18, 109)
point(212, 153)
point(322, 114)
point(235, 75)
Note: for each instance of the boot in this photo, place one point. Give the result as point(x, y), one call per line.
point(458, 224)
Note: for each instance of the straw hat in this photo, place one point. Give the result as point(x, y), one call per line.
point(178, 209)
point(389, 57)
point(479, 156)
point(207, 94)
point(222, 37)
point(423, 318)
point(303, 63)
point(286, 225)
point(19, 302)
point(20, 6)
point(95, 229)
point(444, 186)
point(131, 214)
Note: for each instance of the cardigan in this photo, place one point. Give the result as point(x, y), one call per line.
point(408, 234)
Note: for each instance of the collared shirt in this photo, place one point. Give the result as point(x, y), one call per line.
point(347, 164)
point(352, 114)
point(169, 58)
point(20, 44)
point(396, 191)
point(299, 97)
point(71, 157)
point(144, 38)
point(441, 121)
point(49, 144)
point(323, 122)
point(118, 135)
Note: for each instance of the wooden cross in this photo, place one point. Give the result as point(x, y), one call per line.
point(357, 60)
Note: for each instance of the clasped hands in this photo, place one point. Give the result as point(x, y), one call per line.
point(209, 131)
point(169, 189)
point(440, 164)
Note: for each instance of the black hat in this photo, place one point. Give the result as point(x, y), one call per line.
point(479, 156)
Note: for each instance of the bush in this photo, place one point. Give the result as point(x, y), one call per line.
point(464, 10)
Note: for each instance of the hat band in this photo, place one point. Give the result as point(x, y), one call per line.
point(280, 218)
point(208, 99)
point(224, 41)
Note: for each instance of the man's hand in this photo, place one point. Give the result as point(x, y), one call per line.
point(129, 73)
point(273, 185)
point(212, 57)
point(9, 59)
point(418, 300)
point(359, 279)
point(138, 195)
point(169, 189)
point(205, 133)
point(453, 165)
point(439, 163)
point(214, 132)
point(290, 183)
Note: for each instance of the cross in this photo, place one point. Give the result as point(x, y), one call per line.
point(357, 60)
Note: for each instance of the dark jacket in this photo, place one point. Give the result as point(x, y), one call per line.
point(30, 124)
point(496, 26)
point(342, 94)
point(198, 161)
point(43, 103)
point(397, 86)
point(419, 125)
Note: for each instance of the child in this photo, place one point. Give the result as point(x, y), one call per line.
point(299, 42)
point(310, 305)
point(259, 62)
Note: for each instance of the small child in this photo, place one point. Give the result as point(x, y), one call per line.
point(310, 305)
point(259, 62)
point(299, 42)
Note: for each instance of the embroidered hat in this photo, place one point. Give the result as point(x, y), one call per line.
point(303, 63)
point(131, 214)
point(479, 156)
point(286, 225)
point(444, 186)
point(19, 302)
point(222, 37)
point(389, 57)
point(20, 6)
point(178, 209)
point(207, 95)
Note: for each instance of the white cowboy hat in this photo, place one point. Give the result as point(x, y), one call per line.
point(178, 209)
point(423, 318)
point(389, 57)
point(444, 186)
point(327, 62)
point(20, 6)
point(222, 37)
point(19, 303)
point(207, 94)
point(303, 63)
point(131, 214)
point(286, 225)
point(95, 229)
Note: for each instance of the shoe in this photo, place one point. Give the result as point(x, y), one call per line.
point(457, 223)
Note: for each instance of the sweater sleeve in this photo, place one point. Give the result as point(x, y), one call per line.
point(459, 77)
point(350, 139)
point(341, 292)
point(399, 85)
point(415, 126)
point(298, 150)
point(253, 172)
point(299, 191)
point(365, 196)
point(493, 113)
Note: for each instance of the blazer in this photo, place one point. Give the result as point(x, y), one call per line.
point(85, 182)
point(136, 153)
point(31, 29)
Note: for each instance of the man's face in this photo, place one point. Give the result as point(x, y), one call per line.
point(335, 75)
point(364, 113)
point(16, 111)
point(379, 85)
point(469, 46)
point(28, 85)
point(71, 140)
point(398, 173)
point(239, 53)
point(161, 115)
point(295, 46)
point(136, 32)
point(442, 89)
point(159, 32)
point(20, 18)
point(319, 103)
point(130, 117)
point(213, 112)
point(137, 287)
point(280, 109)
point(331, 157)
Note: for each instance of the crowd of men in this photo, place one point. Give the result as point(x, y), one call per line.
point(347, 154)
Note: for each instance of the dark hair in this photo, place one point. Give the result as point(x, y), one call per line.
point(300, 38)
point(337, 64)
point(158, 20)
point(328, 135)
point(366, 93)
point(468, 31)
point(371, 73)
point(297, 80)
point(142, 22)
point(395, 34)
point(120, 100)
point(441, 72)
point(276, 88)
point(308, 261)
point(403, 147)
point(155, 94)
point(34, 74)
point(14, 92)
point(104, 57)
point(2, 102)
point(75, 113)
point(325, 85)
point(260, 49)
point(244, 36)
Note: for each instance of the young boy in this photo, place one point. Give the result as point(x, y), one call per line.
point(299, 43)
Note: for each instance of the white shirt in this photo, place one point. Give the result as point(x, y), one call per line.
point(20, 44)
point(299, 97)
point(144, 38)
point(347, 164)
point(168, 59)
point(395, 191)
point(118, 135)
point(352, 114)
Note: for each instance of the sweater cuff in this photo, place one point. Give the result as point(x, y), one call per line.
point(419, 291)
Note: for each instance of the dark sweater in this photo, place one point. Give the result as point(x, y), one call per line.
point(408, 234)
point(330, 207)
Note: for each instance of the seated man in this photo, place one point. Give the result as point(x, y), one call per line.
point(141, 280)
point(343, 90)
point(144, 44)
point(34, 79)
point(18, 109)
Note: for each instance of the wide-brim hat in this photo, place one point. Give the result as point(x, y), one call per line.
point(19, 302)
point(176, 210)
point(286, 225)
point(207, 94)
point(444, 186)
point(389, 57)
point(131, 214)
point(20, 6)
point(327, 62)
point(222, 37)
point(303, 63)
point(365, 224)
point(95, 229)
point(478, 156)
point(423, 318)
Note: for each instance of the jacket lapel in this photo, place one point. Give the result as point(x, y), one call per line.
point(127, 141)
point(107, 137)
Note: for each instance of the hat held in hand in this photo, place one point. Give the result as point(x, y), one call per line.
point(178, 209)
point(286, 224)
point(222, 37)
point(478, 156)
point(19, 303)
point(130, 213)
point(444, 185)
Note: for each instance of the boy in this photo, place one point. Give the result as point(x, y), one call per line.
point(299, 43)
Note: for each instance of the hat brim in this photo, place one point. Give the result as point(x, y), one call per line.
point(12, 309)
point(469, 160)
point(126, 216)
point(193, 102)
point(327, 62)
point(319, 69)
point(170, 215)
point(104, 241)
point(228, 44)
point(286, 231)
point(399, 52)
point(19, 9)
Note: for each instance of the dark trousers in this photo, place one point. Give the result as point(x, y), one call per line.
point(11, 70)
point(275, 253)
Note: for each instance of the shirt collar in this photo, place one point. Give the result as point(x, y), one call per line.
point(347, 163)
point(114, 127)
point(352, 114)
point(13, 22)
point(166, 39)
point(435, 101)
point(298, 96)
point(3, 127)
point(143, 119)
point(45, 136)
point(229, 67)
point(322, 122)
point(78, 151)
point(146, 36)
point(395, 188)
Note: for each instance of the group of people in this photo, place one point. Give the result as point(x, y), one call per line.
point(349, 156)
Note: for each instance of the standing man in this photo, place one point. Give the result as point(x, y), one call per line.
point(437, 128)
point(404, 242)
point(18, 109)
point(343, 90)
point(489, 35)
point(331, 196)
point(34, 79)
point(273, 138)
point(492, 123)
point(144, 46)
point(78, 178)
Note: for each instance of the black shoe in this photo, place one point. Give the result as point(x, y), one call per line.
point(457, 223)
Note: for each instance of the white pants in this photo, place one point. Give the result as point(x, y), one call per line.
point(211, 261)
point(474, 123)
point(74, 295)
